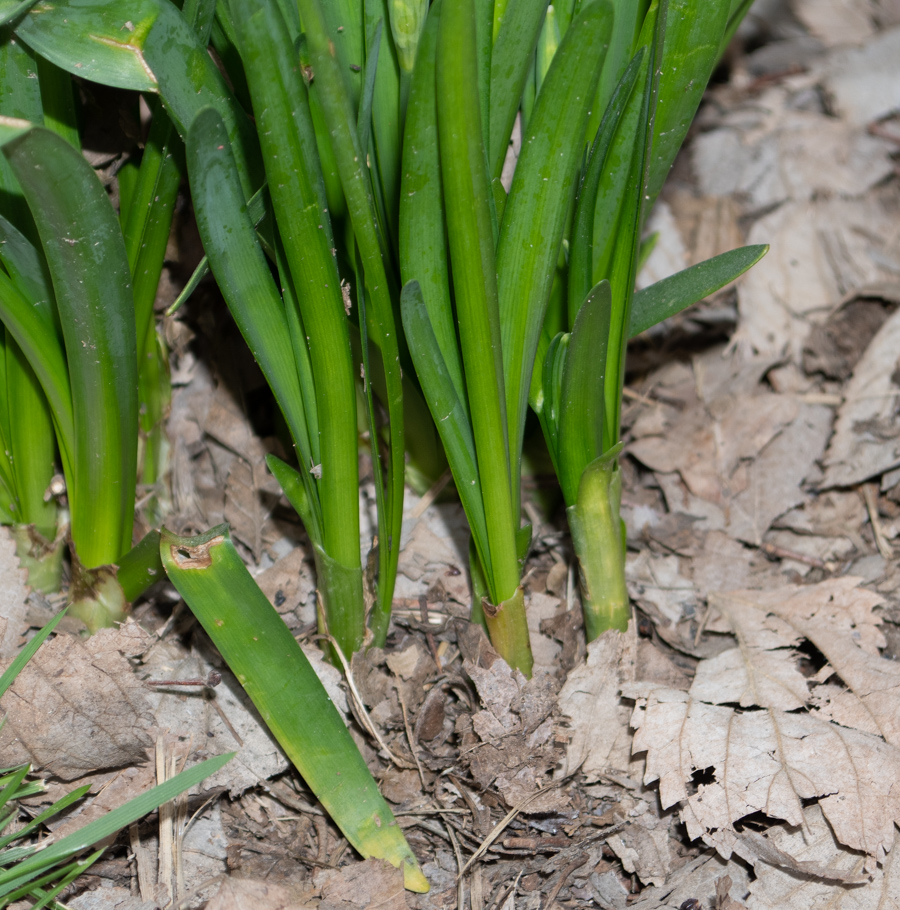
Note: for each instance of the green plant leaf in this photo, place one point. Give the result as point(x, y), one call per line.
point(510, 67)
point(335, 95)
point(467, 195)
point(423, 236)
point(447, 410)
point(86, 255)
point(272, 668)
point(297, 188)
point(243, 274)
point(671, 295)
point(535, 215)
point(581, 411)
point(94, 832)
point(144, 45)
point(689, 55)
point(581, 245)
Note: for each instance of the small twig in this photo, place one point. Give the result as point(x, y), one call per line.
point(502, 824)
point(409, 735)
point(884, 548)
point(776, 552)
point(577, 863)
point(212, 680)
point(430, 496)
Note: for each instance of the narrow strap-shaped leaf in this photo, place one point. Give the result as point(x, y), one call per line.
point(32, 442)
point(467, 195)
point(387, 124)
point(623, 268)
point(510, 67)
point(297, 188)
point(581, 402)
point(581, 245)
point(46, 355)
point(539, 199)
point(627, 18)
point(423, 236)
point(447, 411)
point(150, 215)
point(86, 255)
point(274, 671)
point(671, 295)
point(293, 485)
point(243, 273)
point(335, 95)
point(689, 55)
point(551, 391)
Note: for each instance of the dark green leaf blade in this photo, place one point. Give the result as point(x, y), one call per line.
point(86, 255)
point(581, 411)
point(242, 271)
point(671, 295)
point(541, 192)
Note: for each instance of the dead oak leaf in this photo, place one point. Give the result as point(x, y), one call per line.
point(78, 707)
point(840, 619)
point(765, 761)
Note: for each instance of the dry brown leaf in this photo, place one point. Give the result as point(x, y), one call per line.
point(245, 509)
point(599, 737)
point(768, 762)
point(513, 744)
point(839, 618)
point(78, 707)
point(251, 894)
point(863, 83)
point(866, 439)
point(837, 21)
point(373, 884)
point(785, 888)
point(821, 250)
point(13, 594)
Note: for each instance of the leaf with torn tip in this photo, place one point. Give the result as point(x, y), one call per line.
point(77, 706)
point(769, 762)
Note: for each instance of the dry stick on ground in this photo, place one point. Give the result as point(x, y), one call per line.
point(501, 825)
point(884, 548)
point(361, 708)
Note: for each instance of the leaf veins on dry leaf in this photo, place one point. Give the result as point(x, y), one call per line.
point(765, 756)
point(78, 707)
